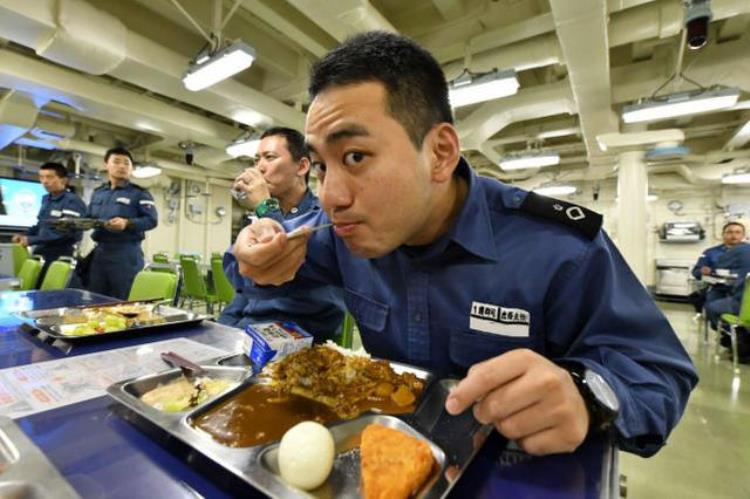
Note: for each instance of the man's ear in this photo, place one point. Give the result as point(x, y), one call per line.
point(303, 167)
point(443, 151)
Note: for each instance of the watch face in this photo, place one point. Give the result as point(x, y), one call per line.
point(601, 389)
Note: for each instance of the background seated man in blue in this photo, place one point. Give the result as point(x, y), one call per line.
point(128, 211)
point(463, 275)
point(59, 202)
point(276, 188)
point(738, 262)
point(733, 235)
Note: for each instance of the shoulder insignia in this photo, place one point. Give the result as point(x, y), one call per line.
point(138, 186)
point(579, 218)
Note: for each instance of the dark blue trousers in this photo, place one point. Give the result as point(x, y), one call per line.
point(114, 267)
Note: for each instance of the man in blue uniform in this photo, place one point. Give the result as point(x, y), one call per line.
point(733, 235)
point(127, 211)
point(276, 188)
point(522, 294)
point(59, 202)
point(737, 261)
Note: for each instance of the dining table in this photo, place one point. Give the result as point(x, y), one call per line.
point(103, 449)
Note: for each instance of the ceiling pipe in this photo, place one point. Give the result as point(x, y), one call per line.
point(638, 20)
point(536, 102)
point(343, 18)
point(577, 23)
point(78, 35)
point(18, 112)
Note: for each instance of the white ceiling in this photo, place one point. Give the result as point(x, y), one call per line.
point(96, 72)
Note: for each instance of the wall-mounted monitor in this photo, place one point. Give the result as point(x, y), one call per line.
point(20, 201)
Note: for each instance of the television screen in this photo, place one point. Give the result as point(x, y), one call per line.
point(20, 201)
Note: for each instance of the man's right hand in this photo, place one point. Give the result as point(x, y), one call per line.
point(705, 270)
point(252, 183)
point(265, 255)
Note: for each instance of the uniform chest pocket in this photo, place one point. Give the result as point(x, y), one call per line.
point(468, 347)
point(369, 314)
point(125, 207)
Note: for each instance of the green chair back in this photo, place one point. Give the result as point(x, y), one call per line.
point(744, 317)
point(29, 273)
point(58, 274)
point(20, 255)
point(222, 286)
point(149, 285)
point(194, 285)
point(346, 339)
point(160, 258)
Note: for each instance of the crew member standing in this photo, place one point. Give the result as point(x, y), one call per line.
point(128, 211)
point(59, 202)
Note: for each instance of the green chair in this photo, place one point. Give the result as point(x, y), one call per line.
point(222, 286)
point(20, 255)
point(194, 287)
point(160, 257)
point(58, 274)
point(29, 273)
point(149, 285)
point(346, 339)
point(729, 323)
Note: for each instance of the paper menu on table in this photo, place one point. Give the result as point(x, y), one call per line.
point(48, 385)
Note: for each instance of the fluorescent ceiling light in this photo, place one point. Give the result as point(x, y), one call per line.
point(556, 190)
point(530, 159)
point(680, 104)
point(737, 177)
point(467, 89)
point(146, 171)
point(220, 66)
point(652, 197)
point(244, 147)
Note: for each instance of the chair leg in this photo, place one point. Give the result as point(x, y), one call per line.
point(705, 326)
point(735, 352)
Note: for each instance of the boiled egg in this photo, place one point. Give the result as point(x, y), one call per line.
point(306, 455)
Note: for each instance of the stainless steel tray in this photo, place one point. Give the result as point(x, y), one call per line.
point(454, 439)
point(46, 324)
point(25, 472)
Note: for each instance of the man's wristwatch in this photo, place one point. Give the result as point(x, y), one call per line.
point(269, 204)
point(600, 399)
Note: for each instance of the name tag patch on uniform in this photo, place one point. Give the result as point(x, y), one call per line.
point(495, 319)
point(55, 213)
point(146, 202)
point(123, 200)
point(72, 213)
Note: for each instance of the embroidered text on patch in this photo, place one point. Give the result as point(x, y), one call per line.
point(495, 319)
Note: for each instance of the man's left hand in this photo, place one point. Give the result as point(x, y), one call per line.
point(527, 398)
point(117, 224)
point(20, 239)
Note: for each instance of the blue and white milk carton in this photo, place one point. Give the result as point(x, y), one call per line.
point(274, 341)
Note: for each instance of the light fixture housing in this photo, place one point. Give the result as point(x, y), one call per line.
point(211, 69)
point(244, 146)
point(739, 176)
point(146, 171)
point(556, 190)
point(530, 159)
point(469, 89)
point(680, 104)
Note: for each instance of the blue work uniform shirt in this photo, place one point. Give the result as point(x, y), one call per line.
point(43, 236)
point(502, 278)
point(709, 258)
point(319, 309)
point(126, 201)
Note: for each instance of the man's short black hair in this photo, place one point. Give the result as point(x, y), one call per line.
point(728, 224)
point(117, 151)
point(59, 169)
point(417, 93)
point(295, 143)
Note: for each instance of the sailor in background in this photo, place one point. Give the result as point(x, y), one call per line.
point(127, 211)
point(59, 202)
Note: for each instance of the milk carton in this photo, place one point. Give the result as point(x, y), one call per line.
point(274, 341)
